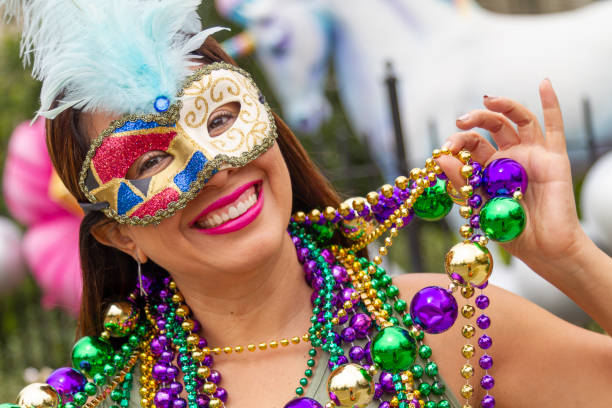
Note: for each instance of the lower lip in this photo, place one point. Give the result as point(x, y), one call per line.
point(237, 223)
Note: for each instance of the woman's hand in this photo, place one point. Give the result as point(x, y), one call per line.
point(552, 230)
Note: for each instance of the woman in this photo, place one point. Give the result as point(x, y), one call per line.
point(228, 254)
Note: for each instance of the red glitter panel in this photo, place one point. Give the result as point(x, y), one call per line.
point(157, 202)
point(116, 155)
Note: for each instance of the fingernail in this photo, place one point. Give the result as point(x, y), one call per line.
point(548, 79)
point(447, 145)
point(490, 98)
point(463, 117)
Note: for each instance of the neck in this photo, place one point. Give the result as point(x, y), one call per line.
point(266, 302)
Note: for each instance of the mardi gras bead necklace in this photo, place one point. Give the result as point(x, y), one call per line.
point(353, 300)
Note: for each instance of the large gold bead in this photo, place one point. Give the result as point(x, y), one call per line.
point(38, 395)
point(468, 331)
point(466, 391)
point(455, 195)
point(467, 351)
point(468, 262)
point(120, 318)
point(467, 371)
point(468, 311)
point(215, 403)
point(352, 385)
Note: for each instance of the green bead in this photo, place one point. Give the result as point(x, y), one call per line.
point(99, 379)
point(386, 280)
point(425, 388)
point(80, 398)
point(407, 319)
point(312, 352)
point(90, 389)
point(444, 404)
point(109, 369)
point(431, 369)
point(393, 320)
point(434, 203)
point(393, 350)
point(502, 219)
point(400, 305)
point(70, 405)
point(438, 388)
point(417, 371)
point(387, 307)
point(425, 351)
point(125, 403)
point(431, 404)
point(90, 355)
point(308, 373)
point(310, 363)
point(118, 360)
point(381, 295)
point(116, 395)
point(392, 291)
point(303, 381)
point(299, 391)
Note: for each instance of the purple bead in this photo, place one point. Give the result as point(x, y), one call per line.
point(475, 221)
point(484, 285)
point(163, 398)
point(296, 242)
point(415, 402)
point(202, 400)
point(482, 301)
point(361, 323)
point(475, 201)
point(221, 393)
point(434, 309)
point(340, 274)
point(343, 319)
point(162, 308)
point(384, 404)
point(179, 403)
point(214, 377)
point(160, 372)
point(485, 362)
point(378, 391)
point(164, 293)
point(156, 347)
point(345, 295)
point(202, 343)
point(348, 334)
point(166, 356)
point(328, 256)
point(484, 342)
point(357, 353)
point(476, 166)
point(341, 360)
point(475, 237)
point(475, 181)
point(208, 360)
point(386, 381)
point(161, 323)
point(487, 382)
point(318, 282)
point(487, 402)
point(172, 372)
point(457, 278)
point(175, 388)
point(302, 254)
point(483, 322)
point(67, 381)
point(303, 403)
point(163, 340)
point(502, 177)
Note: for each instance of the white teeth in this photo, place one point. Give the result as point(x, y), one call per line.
point(218, 220)
point(231, 212)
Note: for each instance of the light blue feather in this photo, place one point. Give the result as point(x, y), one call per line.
point(115, 56)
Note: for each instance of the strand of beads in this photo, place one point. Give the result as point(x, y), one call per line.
point(251, 347)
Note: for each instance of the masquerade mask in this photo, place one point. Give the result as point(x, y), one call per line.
point(180, 138)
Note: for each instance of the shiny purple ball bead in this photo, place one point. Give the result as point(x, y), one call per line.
point(487, 402)
point(482, 301)
point(378, 390)
point(485, 362)
point(356, 353)
point(221, 393)
point(163, 398)
point(202, 400)
point(179, 403)
point(67, 381)
point(487, 382)
point(475, 201)
point(485, 342)
point(361, 323)
point(475, 221)
point(303, 403)
point(386, 381)
point(483, 322)
point(434, 309)
point(502, 177)
point(214, 377)
point(175, 388)
point(348, 334)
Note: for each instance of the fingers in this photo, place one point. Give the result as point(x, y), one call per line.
point(553, 120)
point(472, 141)
point(501, 129)
point(527, 124)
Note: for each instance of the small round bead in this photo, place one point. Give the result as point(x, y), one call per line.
point(485, 342)
point(488, 401)
point(482, 301)
point(487, 382)
point(483, 322)
point(485, 362)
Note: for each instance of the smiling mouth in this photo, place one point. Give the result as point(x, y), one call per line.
point(230, 208)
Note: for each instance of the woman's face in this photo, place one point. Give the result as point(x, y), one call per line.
point(236, 222)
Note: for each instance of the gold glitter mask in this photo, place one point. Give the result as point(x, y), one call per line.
point(181, 132)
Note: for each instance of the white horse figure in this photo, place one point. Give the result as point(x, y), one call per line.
point(445, 61)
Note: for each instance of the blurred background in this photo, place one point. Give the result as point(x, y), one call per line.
point(313, 74)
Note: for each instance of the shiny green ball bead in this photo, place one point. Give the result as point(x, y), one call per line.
point(431, 369)
point(310, 363)
point(125, 403)
point(90, 354)
point(425, 351)
point(417, 371)
point(299, 391)
point(99, 379)
point(80, 398)
point(434, 203)
point(381, 295)
point(438, 388)
point(308, 373)
point(400, 305)
point(70, 405)
point(303, 381)
point(394, 321)
point(116, 395)
point(502, 219)
point(443, 404)
point(392, 291)
point(128, 377)
point(431, 404)
point(425, 388)
point(109, 369)
point(387, 307)
point(393, 350)
point(312, 352)
point(386, 280)
point(407, 319)
point(90, 389)
point(118, 360)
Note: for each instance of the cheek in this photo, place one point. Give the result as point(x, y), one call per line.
point(280, 181)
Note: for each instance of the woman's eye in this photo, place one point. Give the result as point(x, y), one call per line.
point(222, 118)
point(148, 165)
point(219, 121)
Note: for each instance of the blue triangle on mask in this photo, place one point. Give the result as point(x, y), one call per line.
point(126, 199)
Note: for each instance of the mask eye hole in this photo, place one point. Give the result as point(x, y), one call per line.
point(149, 164)
point(222, 118)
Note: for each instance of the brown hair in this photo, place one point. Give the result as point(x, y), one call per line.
point(110, 274)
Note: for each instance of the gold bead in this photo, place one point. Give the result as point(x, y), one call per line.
point(436, 153)
point(273, 344)
point(382, 251)
point(315, 215)
point(372, 370)
point(483, 241)
point(352, 386)
point(262, 346)
point(285, 342)
point(182, 310)
point(238, 349)
point(198, 355)
point(120, 319)
point(105, 335)
point(38, 395)
point(388, 242)
point(466, 231)
point(445, 150)
point(344, 209)
point(335, 320)
point(330, 404)
point(466, 391)
point(299, 217)
point(203, 371)
point(466, 211)
point(377, 260)
point(402, 182)
point(464, 156)
point(305, 337)
point(329, 213)
point(387, 224)
point(295, 340)
point(454, 194)
point(468, 311)
point(216, 350)
point(358, 204)
point(215, 403)
point(415, 173)
point(341, 313)
point(227, 350)
point(172, 285)
point(466, 406)
point(377, 303)
point(177, 298)
point(387, 190)
point(467, 171)
point(467, 370)
point(251, 347)
point(453, 287)
point(372, 198)
point(193, 339)
point(394, 402)
point(467, 190)
point(468, 331)
point(517, 195)
point(188, 325)
point(399, 222)
point(467, 292)
point(209, 388)
point(471, 262)
point(393, 232)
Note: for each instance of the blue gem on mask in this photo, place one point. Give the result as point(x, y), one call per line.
point(189, 174)
point(126, 199)
point(161, 104)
